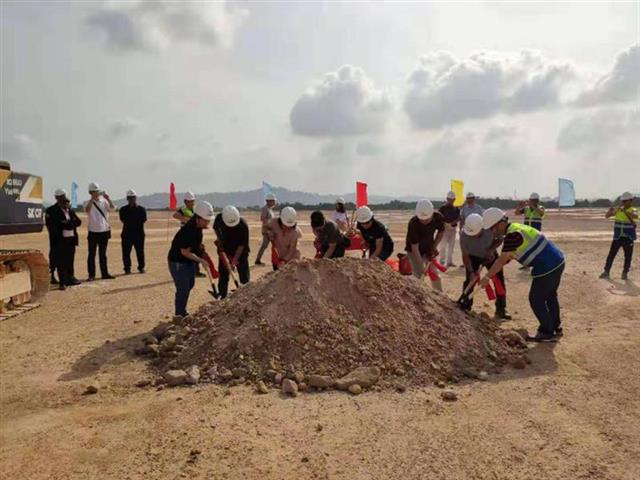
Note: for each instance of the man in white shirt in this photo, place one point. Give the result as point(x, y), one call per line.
point(97, 209)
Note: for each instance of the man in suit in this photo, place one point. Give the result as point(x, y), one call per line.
point(62, 223)
point(133, 217)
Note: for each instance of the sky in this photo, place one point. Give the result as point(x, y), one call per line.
point(219, 96)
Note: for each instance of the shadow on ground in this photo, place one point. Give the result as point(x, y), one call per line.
point(136, 287)
point(623, 288)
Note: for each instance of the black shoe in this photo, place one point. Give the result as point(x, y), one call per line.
point(127, 272)
point(502, 314)
point(108, 276)
point(141, 270)
point(91, 279)
point(258, 262)
point(558, 333)
point(625, 276)
point(542, 337)
point(200, 274)
point(62, 287)
point(73, 282)
point(54, 280)
point(604, 274)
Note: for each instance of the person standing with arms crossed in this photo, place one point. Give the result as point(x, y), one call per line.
point(62, 223)
point(133, 218)
point(451, 217)
point(266, 215)
point(97, 209)
point(624, 234)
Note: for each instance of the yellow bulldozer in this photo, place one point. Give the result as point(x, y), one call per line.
point(24, 274)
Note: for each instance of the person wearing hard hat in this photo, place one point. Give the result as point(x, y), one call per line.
point(424, 233)
point(340, 216)
point(330, 242)
point(133, 218)
point(61, 196)
point(232, 234)
point(451, 216)
point(284, 233)
point(186, 252)
point(625, 218)
point(533, 211)
point(62, 223)
point(98, 208)
point(374, 234)
point(530, 247)
point(478, 248)
point(183, 214)
point(266, 215)
point(470, 206)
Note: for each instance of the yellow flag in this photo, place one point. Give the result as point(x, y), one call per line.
point(457, 186)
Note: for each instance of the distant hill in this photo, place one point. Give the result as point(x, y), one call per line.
point(254, 198)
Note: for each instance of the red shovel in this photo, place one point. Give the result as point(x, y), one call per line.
point(211, 273)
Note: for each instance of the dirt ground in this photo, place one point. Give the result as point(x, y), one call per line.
point(572, 414)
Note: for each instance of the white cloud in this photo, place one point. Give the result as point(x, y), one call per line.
point(122, 128)
point(18, 147)
point(500, 133)
point(445, 90)
point(603, 132)
point(369, 149)
point(155, 25)
point(345, 103)
point(621, 84)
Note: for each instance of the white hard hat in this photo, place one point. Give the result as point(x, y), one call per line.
point(424, 209)
point(288, 216)
point(340, 200)
point(204, 210)
point(491, 216)
point(131, 193)
point(270, 196)
point(189, 196)
point(364, 215)
point(534, 196)
point(626, 196)
point(471, 195)
point(473, 224)
point(94, 187)
point(60, 192)
point(451, 195)
point(230, 216)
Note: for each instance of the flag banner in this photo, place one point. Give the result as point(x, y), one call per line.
point(457, 187)
point(267, 189)
point(74, 195)
point(566, 193)
point(173, 201)
point(362, 198)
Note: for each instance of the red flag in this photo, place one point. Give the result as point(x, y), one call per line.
point(173, 201)
point(361, 195)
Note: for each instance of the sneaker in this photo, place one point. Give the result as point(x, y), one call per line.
point(258, 262)
point(141, 270)
point(127, 272)
point(502, 314)
point(558, 333)
point(541, 337)
point(625, 276)
point(54, 281)
point(108, 276)
point(200, 274)
point(73, 282)
point(62, 287)
point(604, 274)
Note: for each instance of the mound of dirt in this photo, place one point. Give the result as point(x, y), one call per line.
point(327, 318)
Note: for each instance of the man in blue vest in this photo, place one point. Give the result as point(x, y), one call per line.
point(624, 234)
point(530, 248)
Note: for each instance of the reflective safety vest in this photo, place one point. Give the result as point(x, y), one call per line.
point(532, 218)
point(536, 250)
point(623, 227)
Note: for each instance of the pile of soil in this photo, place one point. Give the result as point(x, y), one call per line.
point(329, 317)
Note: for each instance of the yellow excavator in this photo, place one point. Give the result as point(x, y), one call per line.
point(24, 274)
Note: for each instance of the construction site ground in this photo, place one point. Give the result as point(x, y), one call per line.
point(573, 413)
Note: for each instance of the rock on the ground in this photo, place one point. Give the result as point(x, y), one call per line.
point(161, 330)
point(225, 374)
point(355, 389)
point(483, 376)
point(92, 388)
point(449, 396)
point(143, 383)
point(363, 376)
point(175, 377)
point(320, 381)
point(289, 387)
point(193, 375)
point(277, 379)
point(261, 387)
point(513, 338)
point(519, 363)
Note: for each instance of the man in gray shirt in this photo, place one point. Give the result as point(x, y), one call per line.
point(479, 248)
point(469, 207)
point(266, 214)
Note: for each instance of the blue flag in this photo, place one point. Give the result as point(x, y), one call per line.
point(266, 188)
point(74, 195)
point(566, 193)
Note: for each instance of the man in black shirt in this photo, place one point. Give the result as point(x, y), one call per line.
point(375, 234)
point(424, 233)
point(451, 215)
point(62, 223)
point(185, 254)
point(133, 217)
point(233, 241)
point(330, 242)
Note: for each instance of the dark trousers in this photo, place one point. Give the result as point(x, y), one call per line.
point(243, 275)
point(99, 241)
point(476, 263)
point(129, 242)
point(263, 247)
point(184, 277)
point(64, 254)
point(52, 259)
point(543, 298)
point(627, 246)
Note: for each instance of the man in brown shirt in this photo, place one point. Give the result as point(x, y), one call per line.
point(284, 233)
